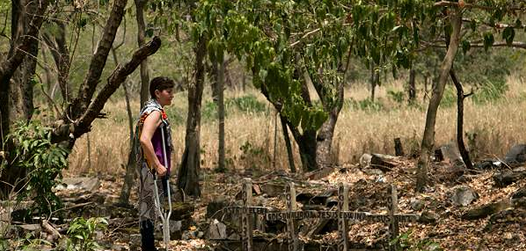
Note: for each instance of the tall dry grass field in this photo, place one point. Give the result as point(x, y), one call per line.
point(491, 129)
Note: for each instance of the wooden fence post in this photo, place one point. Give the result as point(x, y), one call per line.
point(246, 222)
point(393, 210)
point(343, 227)
point(291, 207)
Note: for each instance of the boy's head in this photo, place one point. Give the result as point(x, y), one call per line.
point(160, 84)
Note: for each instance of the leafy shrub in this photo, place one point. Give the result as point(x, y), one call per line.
point(81, 233)
point(246, 104)
point(396, 96)
point(209, 111)
point(450, 97)
point(41, 160)
point(176, 115)
point(254, 157)
point(365, 105)
point(491, 91)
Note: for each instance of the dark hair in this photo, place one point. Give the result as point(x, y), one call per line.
point(161, 84)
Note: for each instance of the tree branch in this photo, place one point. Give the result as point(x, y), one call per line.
point(465, 5)
point(114, 81)
point(8, 67)
point(98, 60)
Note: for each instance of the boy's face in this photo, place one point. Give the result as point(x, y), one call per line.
point(165, 96)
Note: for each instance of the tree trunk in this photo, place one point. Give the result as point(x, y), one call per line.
point(59, 50)
point(188, 178)
point(286, 137)
point(428, 139)
point(141, 32)
point(308, 147)
point(326, 132)
point(373, 81)
point(131, 166)
point(98, 61)
point(460, 120)
point(412, 87)
point(221, 113)
point(218, 84)
point(131, 172)
point(16, 73)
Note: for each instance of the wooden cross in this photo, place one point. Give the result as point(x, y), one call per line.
point(343, 215)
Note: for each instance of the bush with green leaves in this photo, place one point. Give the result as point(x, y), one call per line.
point(41, 160)
point(364, 105)
point(396, 96)
point(247, 104)
point(82, 233)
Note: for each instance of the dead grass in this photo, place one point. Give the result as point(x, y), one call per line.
point(496, 127)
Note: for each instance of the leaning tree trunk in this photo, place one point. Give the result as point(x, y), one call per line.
point(188, 178)
point(460, 120)
point(428, 139)
point(326, 132)
point(288, 145)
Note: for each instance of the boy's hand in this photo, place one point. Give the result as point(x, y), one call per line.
point(161, 170)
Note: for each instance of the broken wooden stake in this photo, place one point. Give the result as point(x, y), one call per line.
point(393, 211)
point(343, 227)
point(399, 150)
point(291, 207)
point(246, 216)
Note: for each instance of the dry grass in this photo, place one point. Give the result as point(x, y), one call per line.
point(497, 126)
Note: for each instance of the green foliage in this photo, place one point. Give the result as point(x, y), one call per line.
point(41, 160)
point(209, 111)
point(4, 243)
point(364, 105)
point(247, 104)
point(254, 157)
point(81, 233)
point(491, 91)
point(397, 96)
point(450, 97)
point(407, 242)
point(30, 243)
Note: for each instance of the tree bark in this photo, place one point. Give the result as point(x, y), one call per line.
point(412, 86)
point(59, 50)
point(286, 137)
point(141, 32)
point(16, 94)
point(131, 173)
point(326, 132)
point(460, 120)
point(188, 178)
point(75, 129)
point(98, 61)
point(221, 114)
point(373, 81)
point(16, 74)
point(428, 140)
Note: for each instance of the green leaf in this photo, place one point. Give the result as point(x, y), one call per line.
point(488, 40)
point(466, 45)
point(508, 34)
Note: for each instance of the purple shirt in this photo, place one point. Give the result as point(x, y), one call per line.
point(157, 143)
